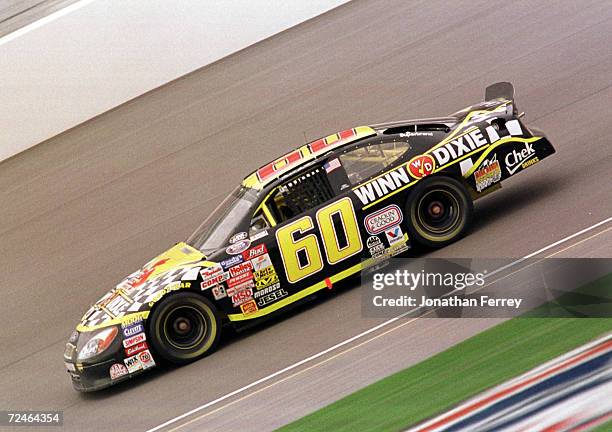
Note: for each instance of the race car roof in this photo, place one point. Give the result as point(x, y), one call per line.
point(273, 170)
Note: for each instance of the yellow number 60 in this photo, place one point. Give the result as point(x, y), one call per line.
point(338, 245)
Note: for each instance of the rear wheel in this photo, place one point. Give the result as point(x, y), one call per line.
point(184, 327)
point(439, 211)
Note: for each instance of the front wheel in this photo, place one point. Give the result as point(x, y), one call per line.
point(184, 327)
point(439, 211)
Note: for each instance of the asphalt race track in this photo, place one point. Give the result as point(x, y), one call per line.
point(84, 209)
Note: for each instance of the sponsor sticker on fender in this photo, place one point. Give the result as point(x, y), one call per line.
point(255, 252)
point(394, 235)
point(261, 262)
point(266, 281)
point(459, 147)
point(132, 330)
point(146, 359)
point(136, 339)
point(231, 291)
point(515, 159)
point(218, 292)
point(238, 247)
point(117, 371)
point(242, 297)
point(240, 269)
point(240, 279)
point(136, 349)
point(379, 221)
point(212, 276)
point(488, 174)
point(272, 297)
point(249, 307)
point(421, 166)
point(230, 262)
point(132, 364)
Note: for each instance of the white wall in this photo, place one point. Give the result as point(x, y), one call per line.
point(95, 55)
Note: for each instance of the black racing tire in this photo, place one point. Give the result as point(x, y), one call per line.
point(184, 327)
point(439, 211)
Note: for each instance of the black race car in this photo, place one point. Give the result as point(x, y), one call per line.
point(301, 224)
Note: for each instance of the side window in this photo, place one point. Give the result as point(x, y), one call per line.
point(367, 160)
point(259, 222)
point(298, 195)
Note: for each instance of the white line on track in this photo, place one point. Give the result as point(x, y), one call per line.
point(362, 334)
point(44, 20)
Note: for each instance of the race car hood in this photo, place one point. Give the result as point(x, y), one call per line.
point(137, 293)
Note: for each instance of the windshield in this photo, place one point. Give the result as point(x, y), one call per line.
point(214, 232)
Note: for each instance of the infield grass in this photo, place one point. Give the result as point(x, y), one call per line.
point(468, 368)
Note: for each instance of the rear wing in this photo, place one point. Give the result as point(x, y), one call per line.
point(501, 90)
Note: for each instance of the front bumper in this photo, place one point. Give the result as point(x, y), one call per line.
point(86, 378)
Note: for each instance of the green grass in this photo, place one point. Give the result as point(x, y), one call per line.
point(436, 384)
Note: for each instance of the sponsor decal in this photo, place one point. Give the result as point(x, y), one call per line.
point(212, 276)
point(244, 267)
point(230, 262)
point(375, 246)
point(242, 297)
point(265, 272)
point(382, 186)
point(146, 359)
point(262, 261)
point(240, 279)
point(421, 166)
point(218, 292)
point(117, 305)
point(266, 291)
point(379, 221)
point(413, 134)
point(515, 159)
point(238, 237)
point(394, 235)
point(132, 330)
point(117, 371)
point(136, 349)
point(272, 297)
point(173, 286)
point(131, 319)
point(136, 339)
point(266, 281)
point(241, 287)
point(459, 147)
point(530, 162)
point(488, 173)
point(141, 276)
point(397, 249)
point(249, 307)
point(238, 247)
point(259, 235)
point(132, 364)
point(255, 252)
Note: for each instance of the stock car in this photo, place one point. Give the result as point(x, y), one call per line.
point(301, 224)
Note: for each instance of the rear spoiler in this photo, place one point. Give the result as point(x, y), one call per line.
point(501, 90)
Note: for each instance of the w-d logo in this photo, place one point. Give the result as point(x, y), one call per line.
point(421, 166)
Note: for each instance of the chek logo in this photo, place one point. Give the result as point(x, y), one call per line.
point(516, 158)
